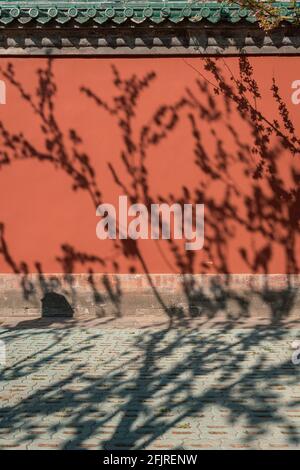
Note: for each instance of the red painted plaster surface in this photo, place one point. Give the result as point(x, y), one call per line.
point(171, 129)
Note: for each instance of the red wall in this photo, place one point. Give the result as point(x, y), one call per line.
point(173, 129)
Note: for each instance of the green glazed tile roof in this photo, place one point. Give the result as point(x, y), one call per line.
point(119, 12)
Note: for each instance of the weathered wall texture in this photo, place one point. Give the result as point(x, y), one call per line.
point(77, 132)
point(274, 298)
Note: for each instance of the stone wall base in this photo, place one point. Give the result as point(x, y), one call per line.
point(235, 295)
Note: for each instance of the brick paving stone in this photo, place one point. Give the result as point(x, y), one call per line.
point(152, 388)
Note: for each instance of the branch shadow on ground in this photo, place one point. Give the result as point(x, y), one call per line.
point(104, 391)
point(144, 387)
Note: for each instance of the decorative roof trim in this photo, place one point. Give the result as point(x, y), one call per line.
point(98, 13)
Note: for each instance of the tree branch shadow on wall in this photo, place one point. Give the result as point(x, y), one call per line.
point(167, 363)
point(271, 213)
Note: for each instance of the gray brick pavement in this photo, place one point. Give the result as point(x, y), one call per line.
point(183, 388)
